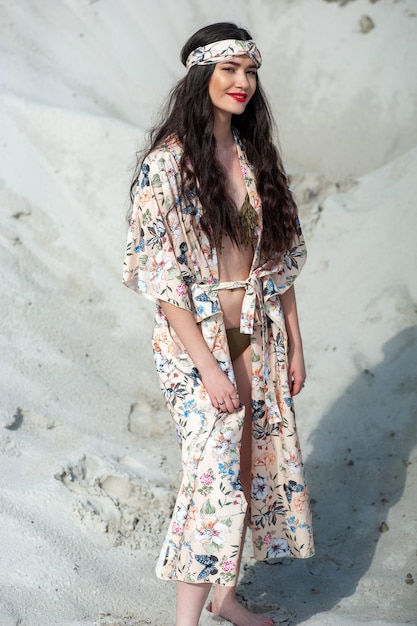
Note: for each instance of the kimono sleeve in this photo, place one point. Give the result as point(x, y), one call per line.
point(294, 259)
point(151, 265)
point(290, 265)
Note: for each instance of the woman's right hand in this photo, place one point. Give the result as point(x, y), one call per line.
point(222, 392)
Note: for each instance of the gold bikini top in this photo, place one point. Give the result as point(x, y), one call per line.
point(248, 220)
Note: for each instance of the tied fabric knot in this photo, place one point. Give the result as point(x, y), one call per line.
point(253, 308)
point(224, 50)
point(253, 303)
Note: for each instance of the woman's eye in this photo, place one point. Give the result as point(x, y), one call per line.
point(233, 69)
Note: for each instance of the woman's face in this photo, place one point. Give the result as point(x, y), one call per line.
point(232, 85)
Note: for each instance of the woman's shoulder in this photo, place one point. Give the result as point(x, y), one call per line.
point(166, 154)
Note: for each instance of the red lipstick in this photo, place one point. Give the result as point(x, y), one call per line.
point(239, 97)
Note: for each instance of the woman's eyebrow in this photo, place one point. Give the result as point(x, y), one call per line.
point(252, 66)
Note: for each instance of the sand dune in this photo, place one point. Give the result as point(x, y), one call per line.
point(89, 464)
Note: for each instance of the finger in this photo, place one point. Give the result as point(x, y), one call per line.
point(216, 403)
point(235, 400)
point(230, 405)
point(229, 401)
point(296, 387)
point(227, 405)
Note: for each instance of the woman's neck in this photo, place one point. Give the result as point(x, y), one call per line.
point(222, 131)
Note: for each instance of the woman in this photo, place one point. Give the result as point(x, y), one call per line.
point(215, 242)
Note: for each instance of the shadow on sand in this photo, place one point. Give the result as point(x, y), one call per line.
point(356, 472)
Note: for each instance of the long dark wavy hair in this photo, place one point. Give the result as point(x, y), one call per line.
point(189, 115)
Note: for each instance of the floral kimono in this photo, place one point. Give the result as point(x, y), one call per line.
point(169, 258)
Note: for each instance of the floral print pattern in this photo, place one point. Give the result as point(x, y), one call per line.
point(169, 258)
point(224, 50)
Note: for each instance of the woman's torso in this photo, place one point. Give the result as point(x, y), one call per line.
point(234, 262)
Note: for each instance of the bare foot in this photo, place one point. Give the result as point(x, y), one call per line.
point(232, 611)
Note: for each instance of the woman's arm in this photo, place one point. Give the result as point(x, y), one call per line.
point(218, 385)
point(296, 366)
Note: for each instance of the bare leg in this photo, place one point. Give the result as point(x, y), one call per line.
point(192, 597)
point(190, 602)
point(224, 599)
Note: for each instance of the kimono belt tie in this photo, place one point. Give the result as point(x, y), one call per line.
point(253, 307)
point(251, 301)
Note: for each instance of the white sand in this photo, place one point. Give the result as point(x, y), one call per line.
point(89, 463)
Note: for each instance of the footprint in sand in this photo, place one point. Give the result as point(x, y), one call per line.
point(113, 496)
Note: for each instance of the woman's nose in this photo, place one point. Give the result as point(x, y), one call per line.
point(242, 79)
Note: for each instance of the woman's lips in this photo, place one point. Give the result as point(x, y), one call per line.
point(239, 97)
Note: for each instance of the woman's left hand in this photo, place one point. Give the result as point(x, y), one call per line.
point(296, 370)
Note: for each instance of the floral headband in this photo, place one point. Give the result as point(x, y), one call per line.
point(224, 50)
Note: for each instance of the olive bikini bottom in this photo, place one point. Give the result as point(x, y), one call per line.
point(238, 342)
